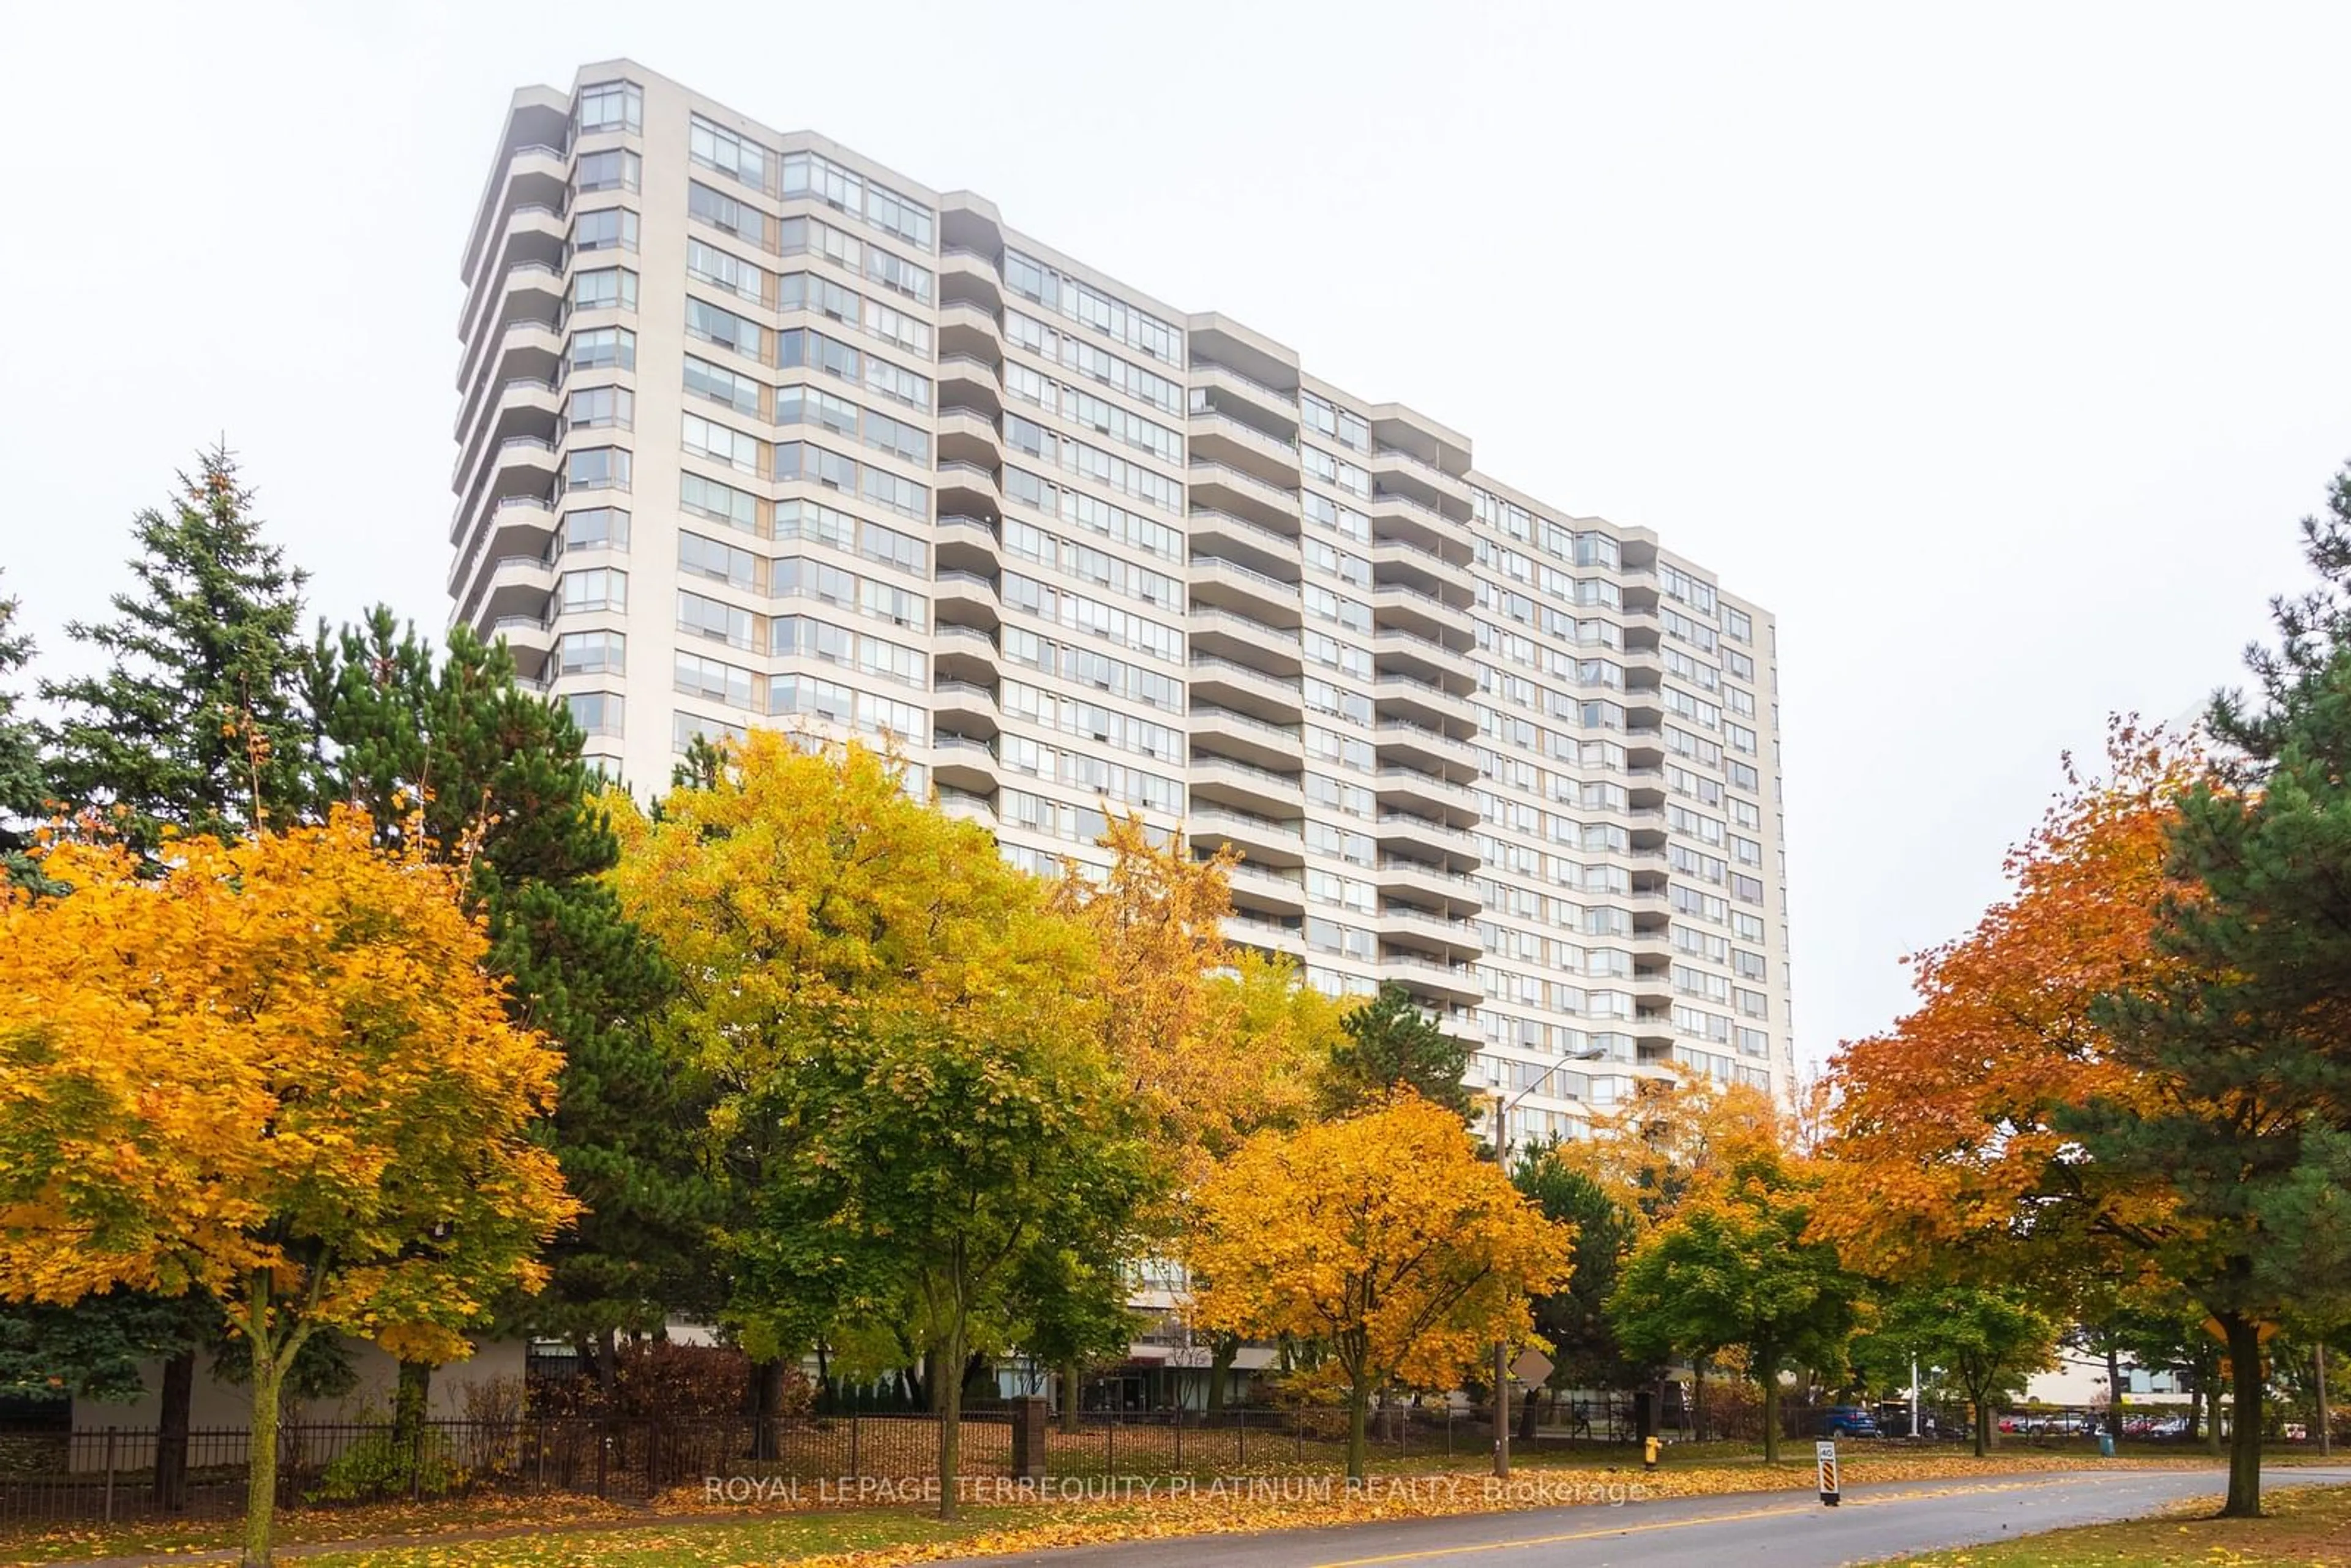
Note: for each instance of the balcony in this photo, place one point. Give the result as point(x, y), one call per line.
point(965, 806)
point(1423, 793)
point(1266, 933)
point(1396, 650)
point(967, 435)
point(1418, 745)
point(521, 405)
point(964, 598)
point(530, 638)
point(1273, 409)
point(532, 231)
point(963, 762)
point(1400, 561)
point(966, 706)
point(517, 524)
point(1454, 891)
point(1424, 702)
point(1426, 931)
point(966, 275)
point(1395, 604)
point(1226, 584)
point(963, 654)
point(1395, 469)
point(525, 350)
point(1402, 518)
point(1247, 640)
point(966, 329)
point(1431, 836)
point(1246, 690)
point(967, 488)
point(530, 292)
point(1652, 1030)
point(1217, 437)
point(1252, 740)
point(1432, 980)
point(1220, 782)
point(1260, 890)
point(516, 585)
point(1261, 840)
point(1237, 539)
point(967, 544)
point(1226, 489)
point(971, 381)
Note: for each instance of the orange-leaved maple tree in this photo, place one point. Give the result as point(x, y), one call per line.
point(1946, 1155)
point(1387, 1237)
point(276, 1074)
point(1649, 1150)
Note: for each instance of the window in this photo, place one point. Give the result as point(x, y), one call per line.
point(896, 272)
point(715, 558)
point(721, 385)
point(607, 228)
point(601, 588)
point(610, 106)
point(599, 468)
point(710, 324)
point(1736, 624)
point(607, 289)
point(717, 620)
point(720, 682)
point(721, 211)
point(685, 729)
point(716, 147)
point(708, 264)
point(596, 713)
point(598, 527)
point(896, 384)
point(597, 408)
point(591, 652)
point(723, 444)
point(605, 348)
point(1087, 305)
point(811, 174)
point(721, 503)
point(615, 169)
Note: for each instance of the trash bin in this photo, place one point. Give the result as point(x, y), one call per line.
point(2105, 1445)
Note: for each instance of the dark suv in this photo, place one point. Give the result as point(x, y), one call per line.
point(1846, 1421)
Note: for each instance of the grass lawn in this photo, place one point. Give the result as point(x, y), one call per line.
point(2303, 1525)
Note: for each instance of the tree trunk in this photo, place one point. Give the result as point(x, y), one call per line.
point(935, 1381)
point(261, 1458)
point(1070, 1395)
point(1983, 1429)
point(950, 1424)
point(766, 1399)
point(411, 1398)
point(1530, 1417)
point(179, 1395)
point(2245, 1418)
point(2326, 1422)
point(1359, 1398)
point(2113, 1387)
point(1222, 1349)
point(1770, 1383)
point(608, 1367)
point(1697, 1400)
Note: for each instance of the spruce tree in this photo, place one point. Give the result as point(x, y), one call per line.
point(23, 782)
point(490, 774)
point(196, 723)
point(2244, 1033)
point(1392, 1041)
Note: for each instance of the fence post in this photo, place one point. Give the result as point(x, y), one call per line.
point(1180, 1437)
point(1240, 1439)
point(1110, 1445)
point(109, 1475)
point(1297, 1425)
point(854, 1473)
point(416, 1463)
point(603, 1451)
point(538, 1437)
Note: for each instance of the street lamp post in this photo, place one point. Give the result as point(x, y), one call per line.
point(1502, 1160)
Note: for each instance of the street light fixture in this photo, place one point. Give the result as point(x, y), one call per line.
point(1502, 1158)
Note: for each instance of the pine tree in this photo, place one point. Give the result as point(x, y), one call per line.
point(23, 783)
point(1391, 1040)
point(2246, 1030)
point(488, 773)
point(196, 724)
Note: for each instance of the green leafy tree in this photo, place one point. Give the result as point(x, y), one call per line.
point(449, 752)
point(196, 724)
point(1392, 1041)
point(1733, 1268)
point(1984, 1342)
point(1584, 1348)
point(2241, 1033)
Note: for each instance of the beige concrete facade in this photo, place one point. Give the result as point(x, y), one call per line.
point(755, 431)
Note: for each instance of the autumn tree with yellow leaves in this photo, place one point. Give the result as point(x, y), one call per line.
point(1387, 1237)
point(274, 1071)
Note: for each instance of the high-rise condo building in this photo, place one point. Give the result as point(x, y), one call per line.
point(752, 430)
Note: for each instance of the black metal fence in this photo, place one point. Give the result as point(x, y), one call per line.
point(111, 1475)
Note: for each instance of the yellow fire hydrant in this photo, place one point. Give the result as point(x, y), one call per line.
point(1649, 1453)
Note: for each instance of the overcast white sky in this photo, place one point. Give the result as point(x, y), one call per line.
point(1997, 350)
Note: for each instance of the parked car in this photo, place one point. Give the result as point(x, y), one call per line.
point(1846, 1421)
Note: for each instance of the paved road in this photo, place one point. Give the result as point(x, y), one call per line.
point(1784, 1529)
